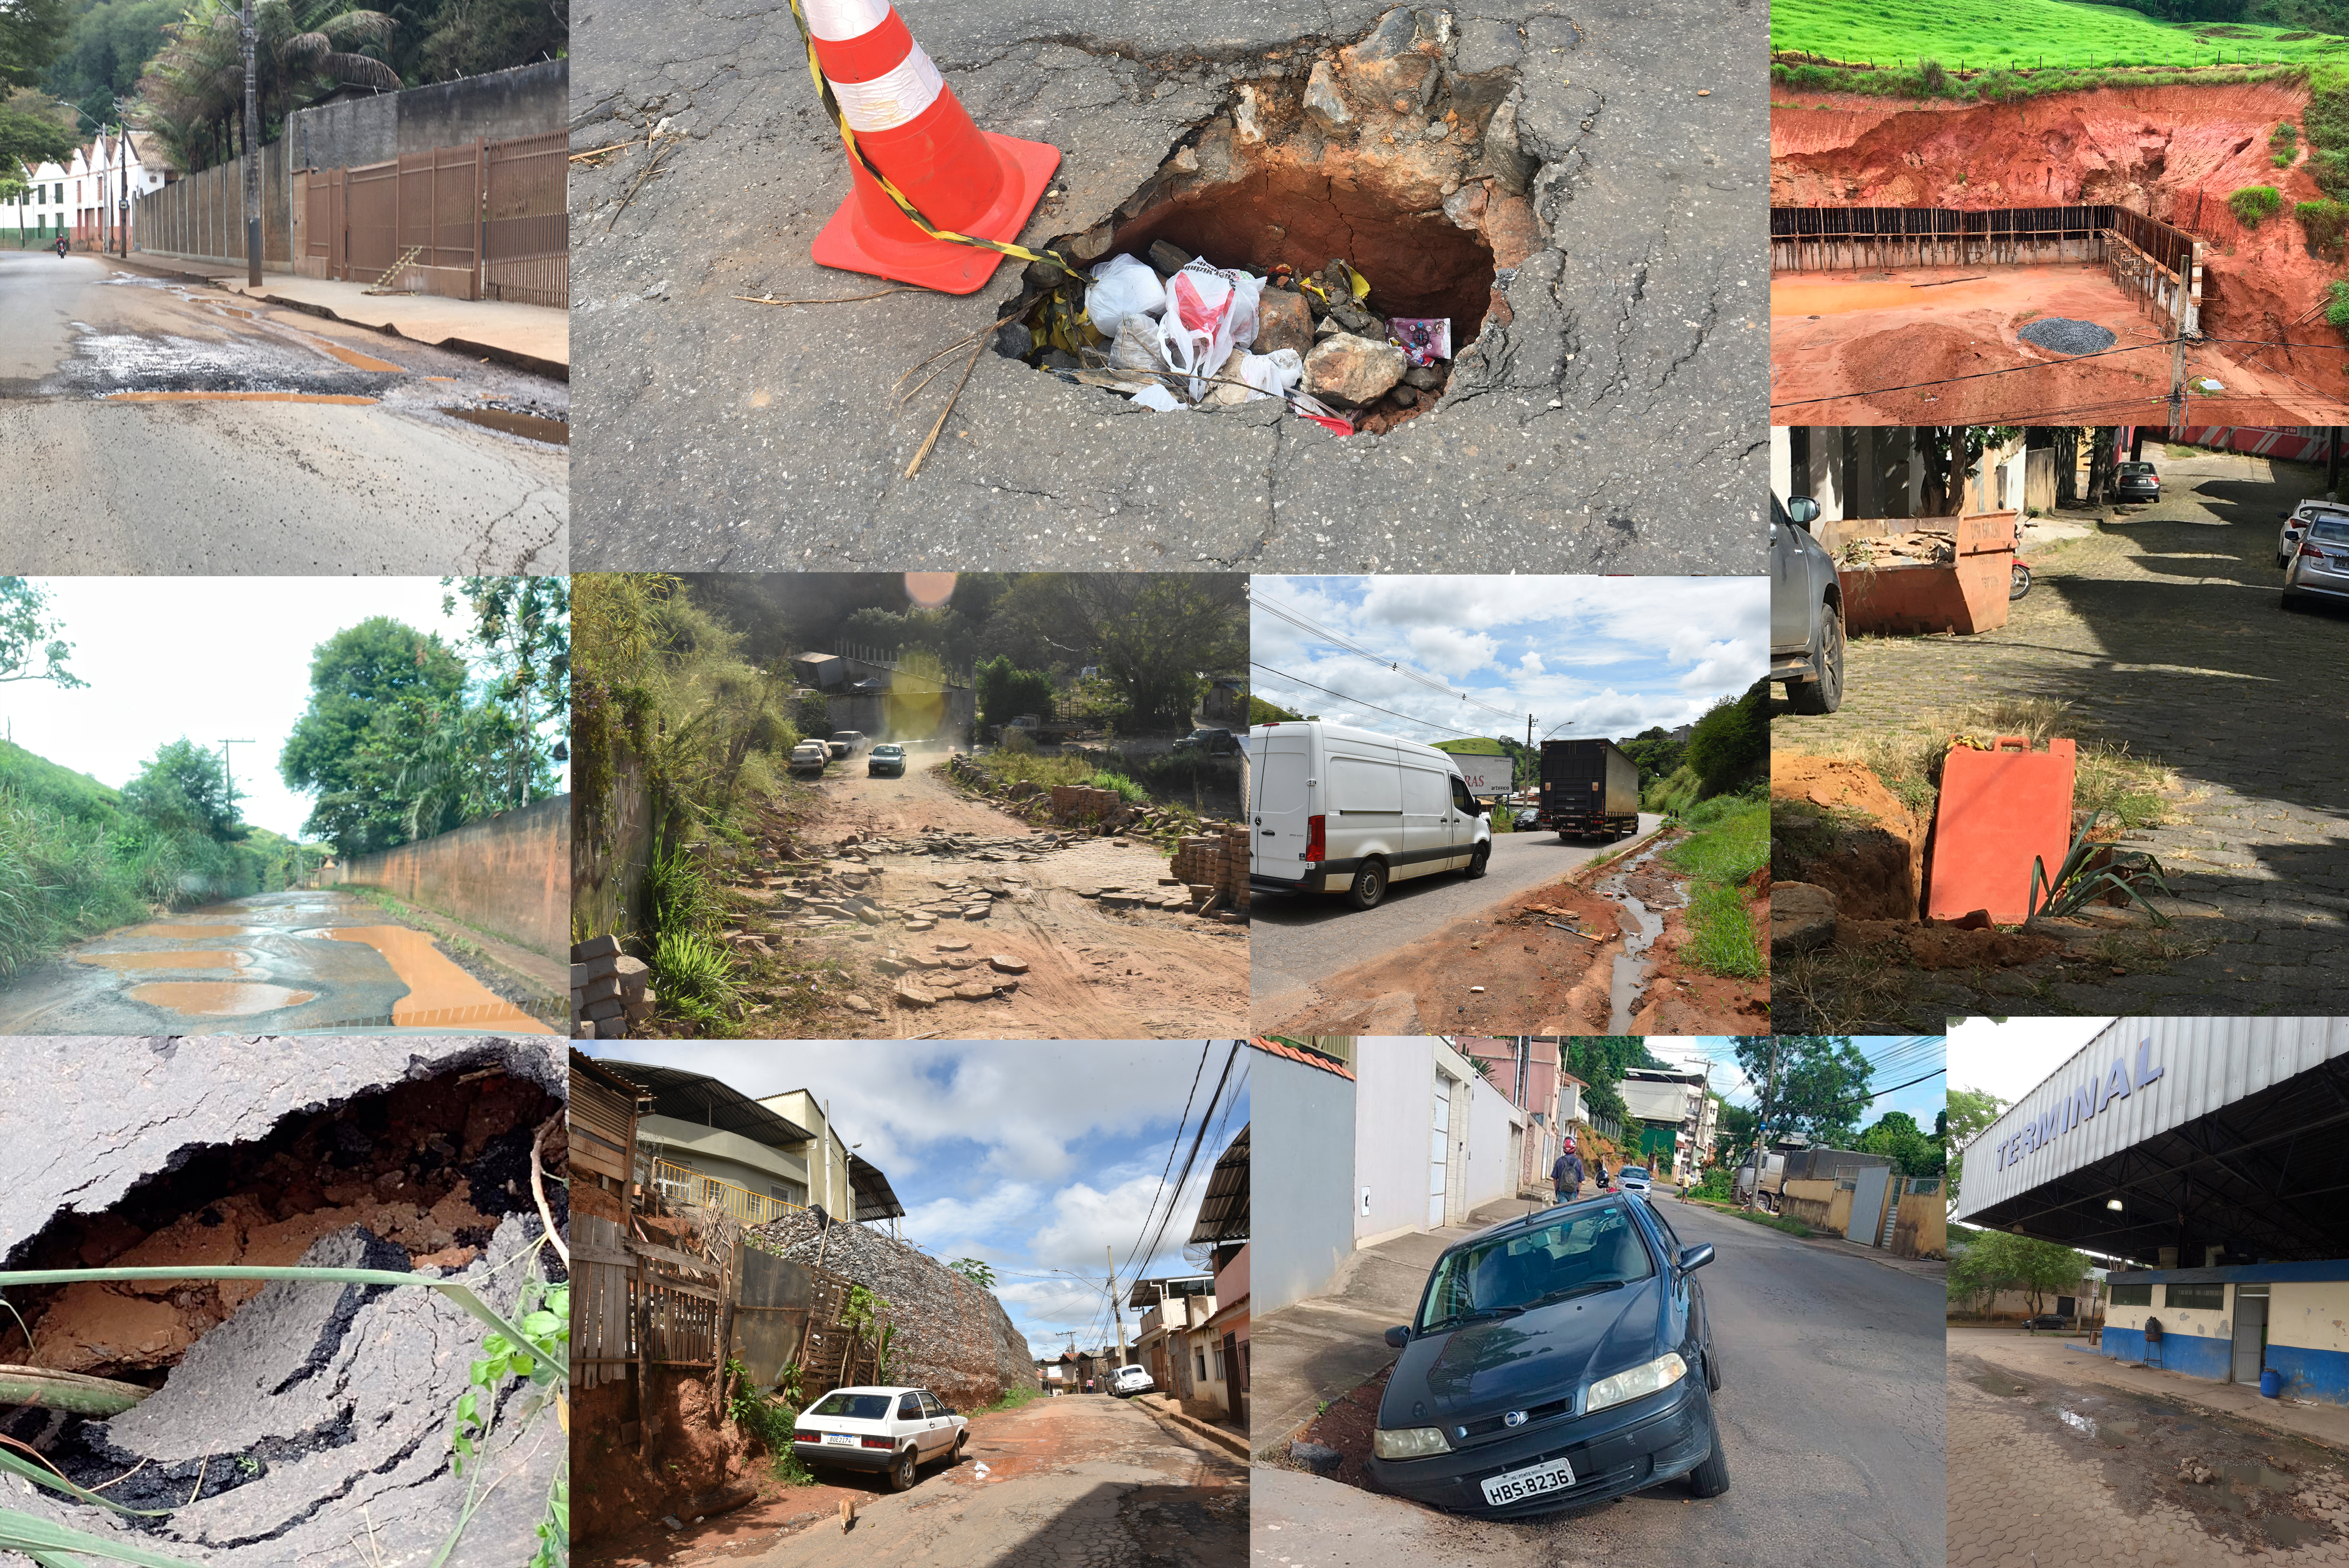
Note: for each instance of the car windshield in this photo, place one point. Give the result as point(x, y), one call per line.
point(854, 1407)
point(2332, 530)
point(887, 750)
point(1593, 1252)
point(2128, 468)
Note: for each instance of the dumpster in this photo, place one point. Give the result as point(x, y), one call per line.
point(1959, 587)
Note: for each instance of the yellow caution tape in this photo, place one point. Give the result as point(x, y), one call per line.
point(848, 136)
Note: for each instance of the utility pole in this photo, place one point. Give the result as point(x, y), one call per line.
point(228, 778)
point(251, 152)
point(122, 189)
point(2332, 463)
point(1114, 1311)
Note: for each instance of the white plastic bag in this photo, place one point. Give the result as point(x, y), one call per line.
point(1272, 374)
point(1213, 311)
point(1160, 398)
point(1122, 287)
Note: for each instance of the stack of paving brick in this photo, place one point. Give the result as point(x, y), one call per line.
point(610, 990)
point(1083, 803)
point(1213, 865)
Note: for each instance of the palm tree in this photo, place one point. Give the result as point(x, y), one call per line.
point(194, 89)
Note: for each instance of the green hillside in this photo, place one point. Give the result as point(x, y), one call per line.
point(1975, 34)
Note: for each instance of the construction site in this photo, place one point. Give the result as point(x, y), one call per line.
point(2101, 254)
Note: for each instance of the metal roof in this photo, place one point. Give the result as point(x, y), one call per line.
point(874, 1201)
point(1224, 1211)
point(705, 1102)
point(2228, 1132)
point(1147, 1292)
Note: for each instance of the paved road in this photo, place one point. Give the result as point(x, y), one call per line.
point(1613, 424)
point(1071, 1482)
point(280, 963)
point(2162, 629)
point(1297, 943)
point(127, 456)
point(2038, 1457)
point(1830, 1410)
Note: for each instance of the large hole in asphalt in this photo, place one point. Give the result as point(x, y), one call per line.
point(426, 1170)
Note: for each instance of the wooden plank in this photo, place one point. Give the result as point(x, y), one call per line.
point(673, 1258)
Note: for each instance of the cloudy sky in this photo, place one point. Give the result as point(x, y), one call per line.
point(1899, 1059)
point(1586, 655)
point(1033, 1157)
point(211, 659)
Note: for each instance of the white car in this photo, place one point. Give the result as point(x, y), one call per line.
point(892, 1430)
point(1632, 1178)
point(1339, 809)
point(1130, 1380)
point(2295, 526)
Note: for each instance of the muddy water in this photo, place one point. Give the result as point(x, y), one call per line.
point(439, 994)
point(167, 929)
point(218, 998)
point(214, 958)
point(1630, 976)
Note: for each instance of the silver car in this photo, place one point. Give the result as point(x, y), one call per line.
point(2319, 561)
point(2295, 524)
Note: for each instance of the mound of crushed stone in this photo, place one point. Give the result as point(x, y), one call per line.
point(952, 1338)
point(2064, 336)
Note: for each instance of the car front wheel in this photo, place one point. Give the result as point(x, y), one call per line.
point(901, 1470)
point(1476, 860)
point(1369, 884)
point(1824, 695)
point(1711, 1478)
point(1712, 1369)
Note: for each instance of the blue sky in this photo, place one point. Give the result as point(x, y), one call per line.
point(1901, 1057)
point(1031, 1156)
point(1586, 655)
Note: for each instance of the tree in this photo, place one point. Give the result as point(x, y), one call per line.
point(356, 677)
point(1263, 712)
point(1733, 1131)
point(193, 89)
point(1897, 1136)
point(184, 789)
point(521, 633)
point(1004, 692)
point(32, 136)
point(1152, 634)
point(978, 1273)
point(32, 36)
point(1983, 1263)
point(30, 648)
point(1822, 1083)
point(1970, 1113)
point(471, 36)
point(1732, 740)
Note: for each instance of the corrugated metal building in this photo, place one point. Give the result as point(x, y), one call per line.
point(2214, 1155)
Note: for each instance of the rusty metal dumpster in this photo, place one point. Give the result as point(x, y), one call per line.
point(1966, 593)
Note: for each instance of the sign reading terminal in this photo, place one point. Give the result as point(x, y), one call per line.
point(2082, 1102)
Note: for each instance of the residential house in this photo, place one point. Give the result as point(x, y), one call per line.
point(1867, 472)
point(1168, 1316)
point(1526, 1072)
point(40, 214)
point(1220, 1346)
point(81, 197)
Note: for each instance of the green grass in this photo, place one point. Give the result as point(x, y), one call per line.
point(1013, 1398)
point(1729, 841)
point(2253, 204)
point(2014, 35)
point(1775, 1222)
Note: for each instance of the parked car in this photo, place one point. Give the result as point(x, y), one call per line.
point(2135, 482)
point(1339, 809)
point(1633, 1179)
point(1128, 1381)
point(2320, 563)
point(2295, 525)
point(2047, 1320)
point(1209, 743)
point(1806, 609)
point(808, 756)
point(846, 743)
point(887, 758)
point(1557, 1360)
point(894, 1431)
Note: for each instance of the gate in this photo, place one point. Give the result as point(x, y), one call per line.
point(485, 221)
point(1869, 1185)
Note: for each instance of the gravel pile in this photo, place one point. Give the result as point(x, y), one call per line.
point(2064, 336)
point(953, 1339)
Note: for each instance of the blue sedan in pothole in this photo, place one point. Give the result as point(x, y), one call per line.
point(1556, 1361)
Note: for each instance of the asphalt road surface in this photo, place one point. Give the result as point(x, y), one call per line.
point(156, 426)
point(1830, 1409)
point(1296, 942)
point(1609, 420)
point(1070, 1483)
point(280, 963)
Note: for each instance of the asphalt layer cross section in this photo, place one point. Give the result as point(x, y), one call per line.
point(1830, 1410)
point(1615, 424)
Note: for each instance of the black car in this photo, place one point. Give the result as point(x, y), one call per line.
point(2047, 1320)
point(1556, 1361)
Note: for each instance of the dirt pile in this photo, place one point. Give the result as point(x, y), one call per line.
point(1833, 824)
point(952, 1338)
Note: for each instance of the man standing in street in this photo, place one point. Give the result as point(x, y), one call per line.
point(1566, 1174)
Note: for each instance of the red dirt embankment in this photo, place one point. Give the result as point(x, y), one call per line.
point(2174, 153)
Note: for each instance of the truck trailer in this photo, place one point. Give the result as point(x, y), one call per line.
point(1590, 790)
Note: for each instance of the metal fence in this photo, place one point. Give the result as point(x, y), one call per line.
point(202, 216)
point(480, 221)
point(1807, 239)
point(525, 229)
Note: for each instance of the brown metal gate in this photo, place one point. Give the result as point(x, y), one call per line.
point(525, 232)
point(480, 221)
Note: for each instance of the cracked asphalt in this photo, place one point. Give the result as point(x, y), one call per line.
point(1615, 423)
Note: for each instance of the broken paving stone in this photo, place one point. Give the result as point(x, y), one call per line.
point(950, 946)
point(1086, 891)
point(915, 997)
point(1008, 966)
point(979, 912)
point(1324, 106)
point(1353, 369)
point(975, 991)
point(1120, 900)
point(921, 925)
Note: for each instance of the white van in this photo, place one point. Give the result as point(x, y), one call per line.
point(1347, 810)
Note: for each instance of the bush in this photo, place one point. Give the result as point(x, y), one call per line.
point(1005, 691)
point(1129, 790)
point(1932, 78)
point(2323, 222)
point(2255, 204)
point(2336, 305)
point(1732, 739)
point(693, 975)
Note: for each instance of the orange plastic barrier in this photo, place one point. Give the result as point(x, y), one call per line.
point(1998, 809)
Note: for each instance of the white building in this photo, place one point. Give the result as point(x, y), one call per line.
point(83, 197)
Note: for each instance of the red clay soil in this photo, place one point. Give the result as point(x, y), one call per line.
point(1347, 1425)
point(1876, 868)
point(619, 1492)
point(1683, 1000)
point(2174, 153)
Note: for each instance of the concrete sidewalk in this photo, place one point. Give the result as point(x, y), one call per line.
point(1314, 1350)
point(527, 337)
point(2076, 1361)
point(1229, 1439)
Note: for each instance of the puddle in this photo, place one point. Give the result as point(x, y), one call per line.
point(440, 993)
point(1631, 972)
point(170, 930)
point(218, 998)
point(346, 398)
point(206, 959)
point(2078, 1422)
point(357, 361)
point(554, 432)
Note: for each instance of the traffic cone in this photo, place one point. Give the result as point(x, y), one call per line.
point(917, 134)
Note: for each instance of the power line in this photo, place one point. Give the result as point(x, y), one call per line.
point(1204, 1047)
point(1306, 623)
point(1192, 1157)
point(1341, 696)
point(1896, 1088)
point(1978, 375)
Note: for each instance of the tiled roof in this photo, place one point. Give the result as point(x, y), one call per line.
point(1271, 1047)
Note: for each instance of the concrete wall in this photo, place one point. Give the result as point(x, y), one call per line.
point(1394, 1100)
point(1308, 1228)
point(1491, 1119)
point(612, 849)
point(727, 1156)
point(508, 875)
point(1922, 1224)
point(2308, 1337)
point(526, 101)
point(1809, 1201)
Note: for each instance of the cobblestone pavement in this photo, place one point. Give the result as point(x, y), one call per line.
point(2161, 628)
point(2042, 1471)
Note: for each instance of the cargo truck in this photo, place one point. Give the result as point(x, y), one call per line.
point(1590, 790)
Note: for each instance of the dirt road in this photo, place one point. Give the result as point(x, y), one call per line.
point(281, 963)
point(991, 886)
point(168, 426)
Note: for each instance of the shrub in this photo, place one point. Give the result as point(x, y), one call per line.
point(1732, 739)
point(2323, 222)
point(1005, 691)
point(694, 975)
point(1932, 78)
point(2255, 204)
point(2336, 304)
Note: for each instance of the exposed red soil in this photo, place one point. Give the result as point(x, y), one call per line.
point(1347, 1425)
point(1682, 999)
point(1876, 869)
point(619, 1488)
point(1948, 947)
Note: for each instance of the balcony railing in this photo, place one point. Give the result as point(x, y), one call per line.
point(683, 1184)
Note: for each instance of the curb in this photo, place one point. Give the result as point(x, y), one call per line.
point(554, 370)
point(1234, 1445)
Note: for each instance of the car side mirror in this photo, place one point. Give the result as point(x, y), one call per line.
point(1801, 512)
point(1398, 1338)
point(1696, 1257)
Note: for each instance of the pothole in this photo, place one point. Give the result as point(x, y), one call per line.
point(1385, 156)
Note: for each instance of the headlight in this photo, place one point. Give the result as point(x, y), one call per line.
point(1661, 1373)
point(1408, 1442)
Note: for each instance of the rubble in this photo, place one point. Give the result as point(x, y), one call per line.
point(610, 990)
point(1353, 369)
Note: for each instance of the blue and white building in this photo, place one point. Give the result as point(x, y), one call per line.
point(2208, 1160)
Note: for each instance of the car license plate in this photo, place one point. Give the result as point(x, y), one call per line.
point(1517, 1485)
point(839, 1441)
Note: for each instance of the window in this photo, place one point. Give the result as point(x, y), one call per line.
point(2213, 1296)
point(2132, 1295)
point(1201, 1357)
point(909, 1407)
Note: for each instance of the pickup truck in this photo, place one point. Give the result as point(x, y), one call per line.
point(1806, 611)
point(1209, 743)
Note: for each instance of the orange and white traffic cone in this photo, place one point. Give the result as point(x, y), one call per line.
point(963, 181)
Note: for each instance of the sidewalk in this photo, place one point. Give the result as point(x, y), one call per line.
point(1229, 1439)
point(2075, 1361)
point(1314, 1350)
point(528, 337)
